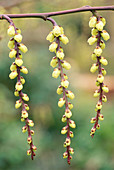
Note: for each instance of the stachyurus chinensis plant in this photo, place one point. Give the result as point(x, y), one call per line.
point(56, 37)
point(97, 24)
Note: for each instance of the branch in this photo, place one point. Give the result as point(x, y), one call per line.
point(49, 14)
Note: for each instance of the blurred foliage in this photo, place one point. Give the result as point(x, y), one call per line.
point(90, 154)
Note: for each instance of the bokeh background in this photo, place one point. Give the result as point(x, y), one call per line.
point(90, 154)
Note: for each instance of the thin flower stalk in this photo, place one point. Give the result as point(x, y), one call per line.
point(58, 61)
point(97, 24)
point(16, 47)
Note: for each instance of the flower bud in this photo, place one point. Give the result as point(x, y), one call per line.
point(16, 93)
point(72, 124)
point(24, 129)
point(60, 54)
point(25, 97)
point(24, 70)
point(61, 102)
point(13, 74)
point(18, 30)
point(19, 61)
point(96, 93)
point(70, 106)
point(98, 126)
point(34, 148)
point(105, 88)
point(101, 117)
point(12, 53)
point(105, 35)
point(104, 98)
point(102, 44)
point(97, 83)
point(26, 106)
point(65, 76)
point(28, 152)
point(98, 51)
point(70, 94)
point(93, 120)
point(92, 40)
point(30, 123)
point(65, 155)
point(103, 20)
point(29, 139)
point(11, 43)
point(100, 78)
point(18, 86)
point(56, 31)
point(71, 150)
point(103, 71)
point(64, 145)
point(93, 56)
point(64, 119)
point(18, 37)
point(99, 105)
point(13, 67)
point(103, 61)
point(23, 48)
point(94, 31)
point(66, 65)
point(54, 62)
point(62, 30)
point(94, 68)
point(92, 22)
point(22, 80)
point(24, 114)
point(32, 132)
point(11, 31)
point(50, 37)
point(71, 134)
point(20, 55)
point(64, 130)
point(18, 104)
point(60, 90)
point(22, 119)
point(68, 113)
point(64, 39)
point(93, 130)
point(53, 47)
point(68, 141)
point(56, 73)
point(99, 25)
point(64, 83)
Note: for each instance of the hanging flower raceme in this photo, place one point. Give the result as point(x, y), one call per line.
point(97, 24)
point(58, 63)
point(16, 47)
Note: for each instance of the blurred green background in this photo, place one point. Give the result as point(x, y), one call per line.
point(90, 154)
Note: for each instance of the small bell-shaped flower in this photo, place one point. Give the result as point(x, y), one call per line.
point(61, 102)
point(68, 113)
point(56, 73)
point(92, 22)
point(23, 48)
point(18, 86)
point(63, 38)
point(99, 25)
point(98, 51)
point(50, 37)
point(105, 35)
point(53, 47)
point(12, 53)
point(13, 74)
point(60, 54)
point(65, 83)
